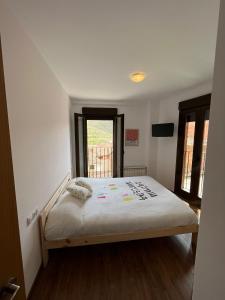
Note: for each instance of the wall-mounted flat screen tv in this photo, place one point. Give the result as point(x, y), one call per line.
point(162, 130)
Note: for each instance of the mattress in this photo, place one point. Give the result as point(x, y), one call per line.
point(118, 205)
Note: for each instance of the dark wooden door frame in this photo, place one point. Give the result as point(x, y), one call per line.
point(104, 114)
point(77, 143)
point(11, 258)
point(115, 146)
point(122, 145)
point(199, 106)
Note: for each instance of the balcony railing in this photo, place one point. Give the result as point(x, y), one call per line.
point(202, 174)
point(100, 162)
point(187, 170)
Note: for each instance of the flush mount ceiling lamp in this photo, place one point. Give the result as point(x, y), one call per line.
point(137, 77)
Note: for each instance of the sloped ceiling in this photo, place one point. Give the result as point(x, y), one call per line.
point(93, 45)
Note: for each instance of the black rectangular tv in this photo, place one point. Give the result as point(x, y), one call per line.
point(162, 130)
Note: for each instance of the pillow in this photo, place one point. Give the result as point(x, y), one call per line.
point(79, 192)
point(84, 184)
point(65, 218)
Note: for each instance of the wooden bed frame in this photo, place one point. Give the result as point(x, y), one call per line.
point(100, 239)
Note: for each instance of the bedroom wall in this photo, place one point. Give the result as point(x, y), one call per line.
point(38, 110)
point(210, 258)
point(165, 148)
point(136, 116)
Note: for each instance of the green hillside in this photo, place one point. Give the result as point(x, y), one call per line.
point(99, 132)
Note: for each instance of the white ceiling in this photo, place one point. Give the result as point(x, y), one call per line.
point(93, 45)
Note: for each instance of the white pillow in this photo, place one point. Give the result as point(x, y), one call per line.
point(84, 184)
point(65, 218)
point(79, 192)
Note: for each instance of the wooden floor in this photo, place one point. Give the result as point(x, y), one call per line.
point(157, 269)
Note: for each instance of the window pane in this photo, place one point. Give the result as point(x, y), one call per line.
point(203, 158)
point(188, 154)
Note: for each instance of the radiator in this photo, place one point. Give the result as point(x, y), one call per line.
point(130, 171)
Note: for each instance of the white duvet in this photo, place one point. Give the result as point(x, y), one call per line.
point(118, 205)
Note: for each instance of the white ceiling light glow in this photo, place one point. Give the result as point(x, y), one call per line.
point(137, 77)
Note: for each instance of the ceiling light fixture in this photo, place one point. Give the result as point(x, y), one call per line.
point(137, 76)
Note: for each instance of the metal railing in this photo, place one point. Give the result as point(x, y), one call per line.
point(202, 174)
point(100, 162)
point(187, 170)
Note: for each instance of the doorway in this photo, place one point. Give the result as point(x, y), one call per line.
point(99, 143)
point(11, 267)
point(192, 147)
point(100, 148)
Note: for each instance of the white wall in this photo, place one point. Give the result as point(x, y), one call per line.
point(165, 148)
point(209, 280)
point(153, 109)
point(38, 111)
point(136, 116)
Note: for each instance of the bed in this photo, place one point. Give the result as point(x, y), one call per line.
point(119, 209)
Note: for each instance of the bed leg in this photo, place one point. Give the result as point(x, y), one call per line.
point(44, 257)
point(194, 239)
point(44, 250)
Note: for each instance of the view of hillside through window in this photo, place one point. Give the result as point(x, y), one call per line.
point(100, 148)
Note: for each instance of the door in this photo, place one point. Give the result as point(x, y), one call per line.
point(192, 147)
point(118, 146)
point(99, 144)
point(80, 145)
point(11, 270)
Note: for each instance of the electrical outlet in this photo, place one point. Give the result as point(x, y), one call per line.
point(31, 218)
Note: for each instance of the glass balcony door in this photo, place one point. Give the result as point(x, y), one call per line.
point(203, 155)
point(188, 152)
point(100, 148)
point(192, 148)
point(99, 144)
